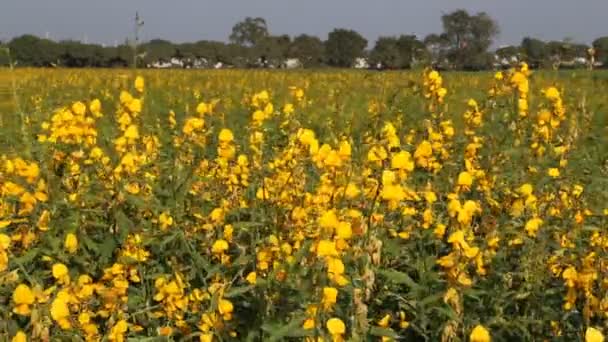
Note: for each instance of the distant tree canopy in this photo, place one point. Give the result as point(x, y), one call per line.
point(398, 52)
point(343, 47)
point(464, 43)
point(249, 32)
point(308, 49)
point(468, 38)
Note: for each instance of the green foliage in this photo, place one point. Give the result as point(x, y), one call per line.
point(249, 32)
point(343, 47)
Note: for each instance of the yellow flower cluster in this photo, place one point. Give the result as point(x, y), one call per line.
point(292, 213)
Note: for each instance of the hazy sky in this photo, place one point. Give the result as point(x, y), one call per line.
point(108, 21)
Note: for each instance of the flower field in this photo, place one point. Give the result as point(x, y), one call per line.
point(318, 206)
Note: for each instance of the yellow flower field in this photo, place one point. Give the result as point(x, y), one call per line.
point(317, 206)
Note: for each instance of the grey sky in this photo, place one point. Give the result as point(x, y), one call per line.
point(107, 21)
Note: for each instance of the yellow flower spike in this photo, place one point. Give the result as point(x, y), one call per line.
point(344, 230)
point(60, 312)
point(251, 278)
point(23, 298)
point(593, 335)
point(384, 321)
point(553, 172)
point(60, 273)
point(336, 326)
point(225, 306)
point(326, 248)
point(20, 336)
point(139, 84)
point(71, 243)
point(480, 334)
point(465, 180)
point(330, 295)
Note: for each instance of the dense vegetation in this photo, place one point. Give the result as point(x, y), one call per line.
point(338, 205)
point(463, 44)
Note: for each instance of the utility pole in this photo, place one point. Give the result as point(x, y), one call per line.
point(138, 23)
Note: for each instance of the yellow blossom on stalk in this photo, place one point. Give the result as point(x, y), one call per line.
point(225, 308)
point(465, 180)
point(60, 312)
point(533, 225)
point(336, 327)
point(71, 243)
point(330, 295)
point(593, 335)
point(23, 298)
point(20, 336)
point(480, 334)
point(139, 84)
point(60, 273)
point(553, 172)
point(118, 331)
point(219, 246)
point(251, 278)
point(326, 248)
point(165, 220)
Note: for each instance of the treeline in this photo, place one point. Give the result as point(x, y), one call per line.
point(464, 44)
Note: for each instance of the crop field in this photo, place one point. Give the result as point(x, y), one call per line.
point(326, 205)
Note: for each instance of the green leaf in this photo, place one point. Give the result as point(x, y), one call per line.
point(387, 332)
point(279, 331)
point(239, 290)
point(398, 277)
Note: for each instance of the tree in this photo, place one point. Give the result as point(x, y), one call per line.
point(272, 50)
point(158, 50)
point(412, 51)
point(249, 31)
point(386, 52)
point(308, 49)
point(469, 37)
point(343, 47)
point(535, 51)
point(437, 47)
point(29, 50)
point(601, 49)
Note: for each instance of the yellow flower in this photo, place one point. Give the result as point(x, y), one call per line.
point(335, 326)
point(23, 298)
point(552, 93)
point(385, 321)
point(525, 190)
point(71, 243)
point(118, 330)
point(533, 225)
point(226, 136)
point(95, 107)
point(225, 306)
point(553, 172)
point(344, 231)
point(139, 84)
point(60, 312)
point(165, 220)
point(465, 180)
point(593, 335)
point(135, 106)
point(251, 278)
point(402, 161)
point(330, 295)
point(219, 246)
point(19, 337)
point(60, 272)
point(326, 248)
point(480, 334)
point(203, 108)
point(132, 132)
